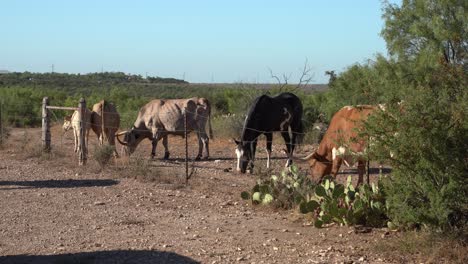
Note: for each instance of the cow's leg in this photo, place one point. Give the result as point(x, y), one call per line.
point(361, 169)
point(287, 140)
point(336, 164)
point(200, 146)
point(154, 144)
point(166, 147)
point(203, 143)
point(112, 142)
point(86, 139)
point(75, 135)
point(269, 142)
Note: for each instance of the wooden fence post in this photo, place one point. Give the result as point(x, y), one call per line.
point(82, 153)
point(186, 147)
point(45, 125)
point(1, 123)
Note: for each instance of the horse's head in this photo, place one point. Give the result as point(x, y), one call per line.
point(244, 153)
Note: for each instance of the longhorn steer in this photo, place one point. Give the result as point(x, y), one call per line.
point(105, 122)
point(341, 143)
point(160, 118)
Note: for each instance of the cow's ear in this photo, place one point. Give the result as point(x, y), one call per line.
point(236, 141)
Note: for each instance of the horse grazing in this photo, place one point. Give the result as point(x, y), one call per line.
point(268, 115)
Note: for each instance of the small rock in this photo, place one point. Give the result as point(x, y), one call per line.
point(275, 248)
point(99, 203)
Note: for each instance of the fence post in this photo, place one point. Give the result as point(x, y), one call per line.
point(186, 147)
point(1, 123)
point(45, 125)
point(82, 153)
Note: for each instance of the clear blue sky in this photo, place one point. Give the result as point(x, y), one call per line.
point(201, 40)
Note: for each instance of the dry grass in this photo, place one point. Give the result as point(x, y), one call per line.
point(103, 155)
point(425, 248)
point(146, 170)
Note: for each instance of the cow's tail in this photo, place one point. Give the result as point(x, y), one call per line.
point(103, 108)
point(209, 120)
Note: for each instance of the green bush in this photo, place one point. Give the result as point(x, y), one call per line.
point(426, 141)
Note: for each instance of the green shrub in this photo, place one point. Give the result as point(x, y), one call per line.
point(426, 141)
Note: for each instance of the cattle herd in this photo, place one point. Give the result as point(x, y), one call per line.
point(282, 113)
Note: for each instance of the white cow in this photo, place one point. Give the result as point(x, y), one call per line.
point(73, 121)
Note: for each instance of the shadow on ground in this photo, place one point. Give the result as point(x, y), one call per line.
point(114, 257)
point(56, 184)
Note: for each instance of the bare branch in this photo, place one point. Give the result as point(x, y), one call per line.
point(282, 85)
point(306, 76)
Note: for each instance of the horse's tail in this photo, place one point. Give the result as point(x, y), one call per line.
point(298, 109)
point(299, 132)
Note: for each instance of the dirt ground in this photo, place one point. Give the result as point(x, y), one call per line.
point(53, 211)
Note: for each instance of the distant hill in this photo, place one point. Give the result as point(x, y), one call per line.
point(87, 82)
point(80, 80)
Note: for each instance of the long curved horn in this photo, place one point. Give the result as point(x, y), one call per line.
point(307, 158)
point(121, 133)
point(118, 139)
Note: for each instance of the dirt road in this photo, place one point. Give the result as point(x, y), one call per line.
point(53, 211)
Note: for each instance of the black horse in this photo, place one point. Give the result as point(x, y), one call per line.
point(268, 115)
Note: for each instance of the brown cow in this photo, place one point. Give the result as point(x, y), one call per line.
point(341, 143)
point(105, 121)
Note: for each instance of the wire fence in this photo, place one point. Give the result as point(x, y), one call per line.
point(61, 140)
point(56, 118)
